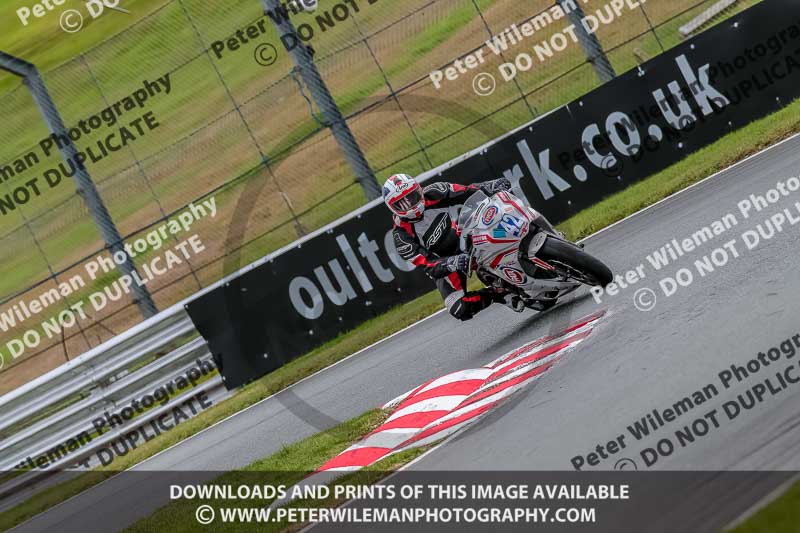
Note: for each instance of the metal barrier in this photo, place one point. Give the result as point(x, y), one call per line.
point(63, 403)
point(706, 17)
point(43, 416)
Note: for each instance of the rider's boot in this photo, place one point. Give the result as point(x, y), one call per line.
point(511, 301)
point(514, 303)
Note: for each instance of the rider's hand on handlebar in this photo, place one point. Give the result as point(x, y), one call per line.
point(442, 269)
point(499, 185)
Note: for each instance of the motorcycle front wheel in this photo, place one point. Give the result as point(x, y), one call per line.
point(570, 260)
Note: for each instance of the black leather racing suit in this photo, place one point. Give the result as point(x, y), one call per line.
point(429, 241)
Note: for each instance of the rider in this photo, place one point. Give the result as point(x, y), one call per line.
point(426, 234)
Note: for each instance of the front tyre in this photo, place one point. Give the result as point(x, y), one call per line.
point(574, 262)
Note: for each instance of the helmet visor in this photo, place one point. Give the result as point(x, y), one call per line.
point(407, 202)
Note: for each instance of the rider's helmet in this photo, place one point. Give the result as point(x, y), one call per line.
point(404, 197)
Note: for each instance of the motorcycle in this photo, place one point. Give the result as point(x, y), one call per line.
point(510, 252)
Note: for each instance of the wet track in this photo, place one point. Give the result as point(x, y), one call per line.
point(634, 363)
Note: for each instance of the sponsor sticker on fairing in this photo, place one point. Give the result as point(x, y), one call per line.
point(489, 215)
point(513, 275)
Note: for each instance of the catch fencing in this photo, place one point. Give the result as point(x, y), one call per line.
point(236, 124)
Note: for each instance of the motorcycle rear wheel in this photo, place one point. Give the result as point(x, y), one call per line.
point(579, 265)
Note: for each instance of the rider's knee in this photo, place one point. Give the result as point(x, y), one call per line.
point(460, 311)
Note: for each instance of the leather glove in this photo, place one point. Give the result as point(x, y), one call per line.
point(492, 187)
point(445, 267)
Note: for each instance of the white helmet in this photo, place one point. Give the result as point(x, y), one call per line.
point(404, 197)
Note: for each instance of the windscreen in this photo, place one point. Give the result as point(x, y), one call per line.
point(470, 207)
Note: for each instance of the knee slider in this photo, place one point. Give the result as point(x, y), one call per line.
point(460, 311)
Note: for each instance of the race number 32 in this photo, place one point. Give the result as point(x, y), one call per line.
point(511, 225)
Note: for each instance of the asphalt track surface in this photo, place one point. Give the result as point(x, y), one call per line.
point(634, 362)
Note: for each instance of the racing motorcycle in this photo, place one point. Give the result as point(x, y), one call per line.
point(509, 252)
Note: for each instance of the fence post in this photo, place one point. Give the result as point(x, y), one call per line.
point(589, 41)
point(84, 184)
point(304, 61)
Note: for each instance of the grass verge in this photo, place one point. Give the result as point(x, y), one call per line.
point(718, 156)
point(285, 467)
point(781, 516)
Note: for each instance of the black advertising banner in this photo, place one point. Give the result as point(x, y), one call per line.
point(307, 295)
point(655, 115)
point(638, 124)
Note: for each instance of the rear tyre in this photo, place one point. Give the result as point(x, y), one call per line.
point(579, 265)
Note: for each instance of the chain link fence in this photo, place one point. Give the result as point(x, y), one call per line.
point(234, 118)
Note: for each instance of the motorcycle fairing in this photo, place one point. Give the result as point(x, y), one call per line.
point(496, 227)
